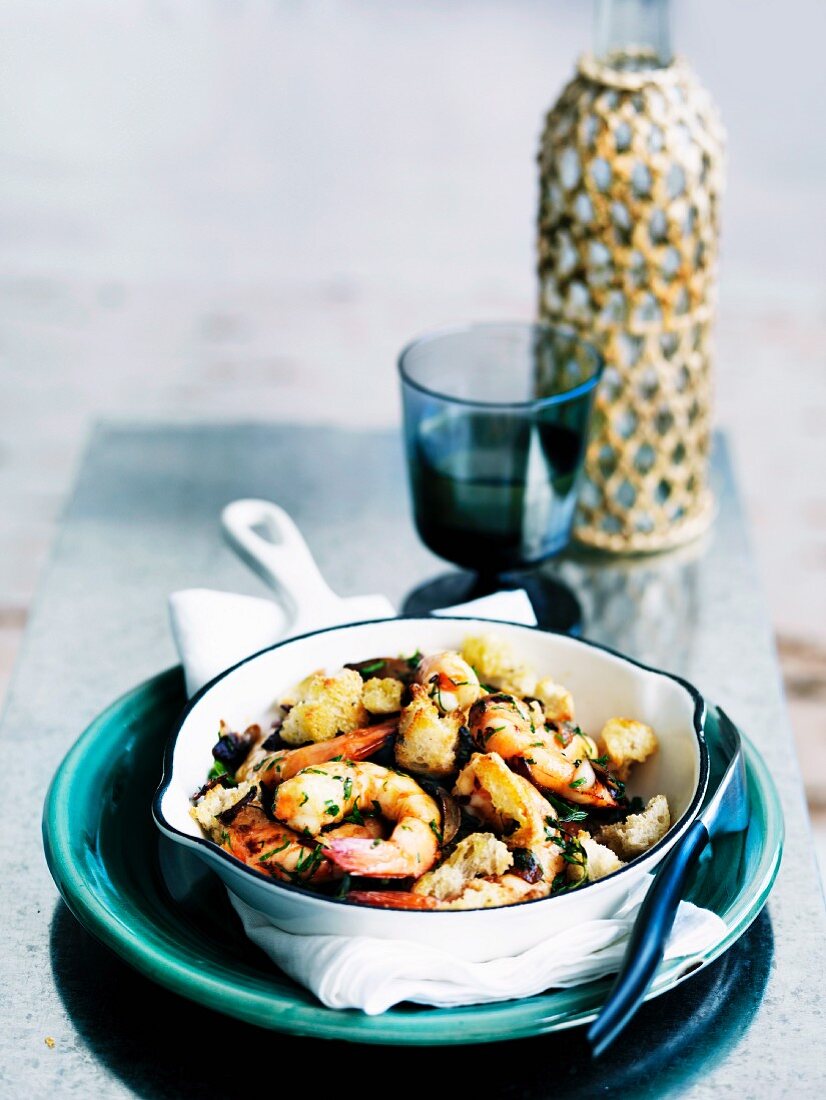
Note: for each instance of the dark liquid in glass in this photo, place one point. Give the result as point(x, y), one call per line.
point(494, 494)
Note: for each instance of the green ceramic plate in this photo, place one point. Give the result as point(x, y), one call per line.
point(108, 861)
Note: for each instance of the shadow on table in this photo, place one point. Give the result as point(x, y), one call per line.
point(160, 1045)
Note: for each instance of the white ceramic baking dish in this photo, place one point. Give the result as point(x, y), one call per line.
point(604, 685)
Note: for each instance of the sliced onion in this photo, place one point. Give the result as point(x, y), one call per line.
point(451, 815)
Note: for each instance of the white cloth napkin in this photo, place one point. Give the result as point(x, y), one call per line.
point(214, 630)
point(372, 975)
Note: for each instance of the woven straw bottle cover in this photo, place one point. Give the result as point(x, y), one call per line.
point(631, 167)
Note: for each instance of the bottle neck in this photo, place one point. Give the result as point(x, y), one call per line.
point(633, 35)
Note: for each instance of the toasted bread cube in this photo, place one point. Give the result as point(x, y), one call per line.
point(557, 702)
point(639, 832)
point(506, 801)
point(427, 740)
point(493, 661)
point(383, 695)
point(477, 856)
point(327, 706)
point(297, 693)
point(601, 861)
point(627, 742)
point(484, 893)
point(217, 801)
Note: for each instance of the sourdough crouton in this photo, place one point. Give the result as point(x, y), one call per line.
point(506, 801)
point(494, 663)
point(427, 740)
point(485, 893)
point(639, 832)
point(627, 742)
point(382, 696)
point(601, 861)
point(557, 702)
point(477, 856)
point(217, 801)
point(296, 694)
point(327, 706)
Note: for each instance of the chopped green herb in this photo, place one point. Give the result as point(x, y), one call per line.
point(577, 859)
point(491, 731)
point(306, 866)
point(273, 852)
point(574, 855)
point(577, 783)
point(217, 770)
point(373, 667)
point(414, 660)
point(437, 832)
point(565, 811)
point(561, 883)
point(331, 808)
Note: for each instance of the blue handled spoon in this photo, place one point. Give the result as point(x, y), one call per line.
point(726, 812)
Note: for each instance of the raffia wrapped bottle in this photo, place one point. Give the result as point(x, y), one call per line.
point(631, 174)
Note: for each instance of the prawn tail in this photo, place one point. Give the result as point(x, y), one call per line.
point(363, 743)
point(357, 745)
point(598, 794)
point(392, 899)
point(373, 858)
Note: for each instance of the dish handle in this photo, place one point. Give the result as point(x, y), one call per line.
point(268, 541)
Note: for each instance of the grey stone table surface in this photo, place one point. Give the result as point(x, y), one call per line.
point(143, 522)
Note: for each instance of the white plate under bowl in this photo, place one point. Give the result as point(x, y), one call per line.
point(604, 685)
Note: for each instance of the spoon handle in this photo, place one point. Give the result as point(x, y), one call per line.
point(648, 939)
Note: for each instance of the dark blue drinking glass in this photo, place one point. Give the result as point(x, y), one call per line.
point(496, 424)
